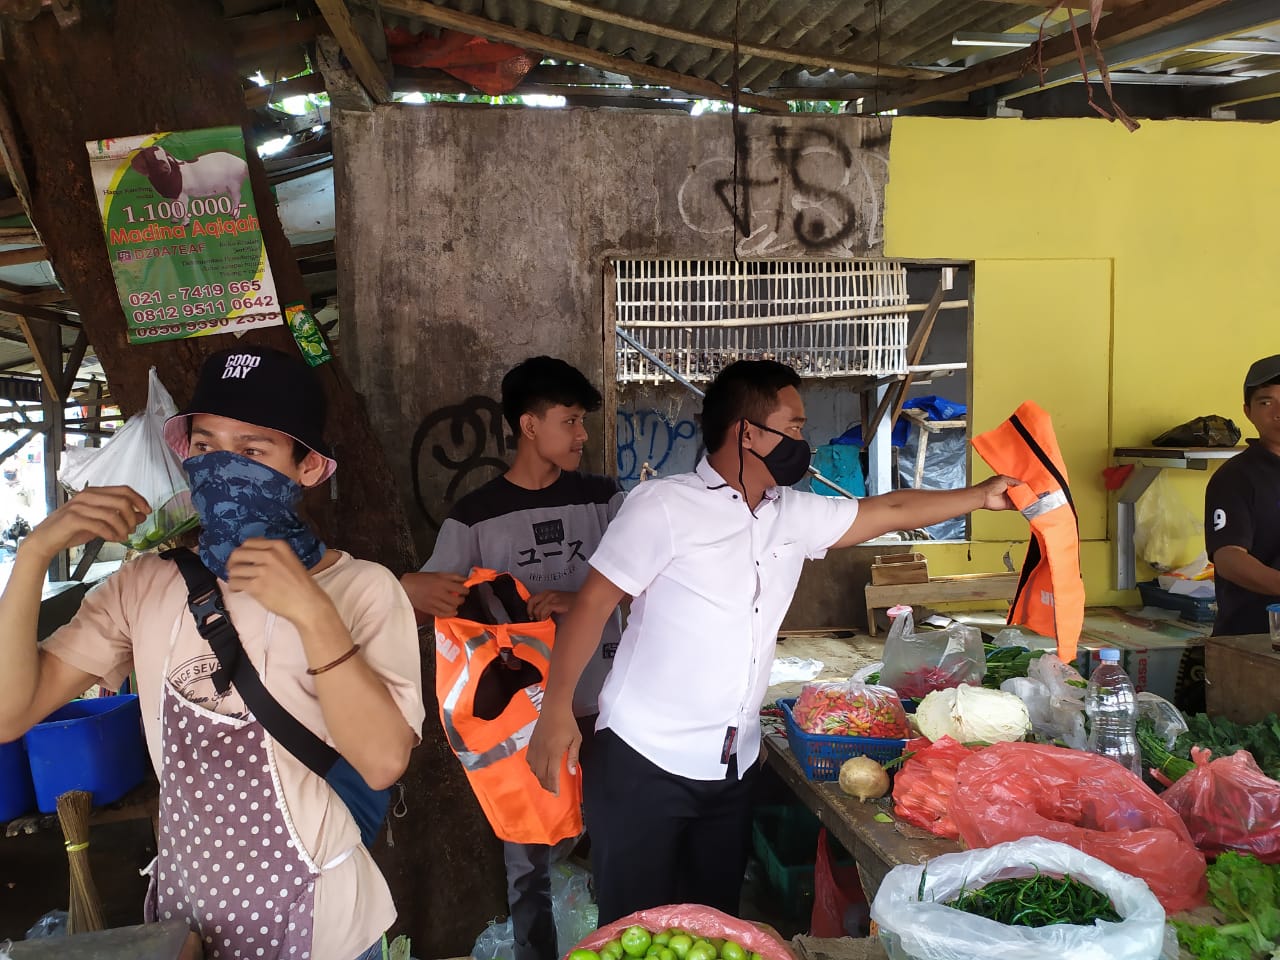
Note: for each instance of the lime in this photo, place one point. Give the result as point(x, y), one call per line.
point(635, 941)
point(584, 955)
point(680, 944)
point(663, 938)
point(732, 951)
point(612, 951)
point(702, 950)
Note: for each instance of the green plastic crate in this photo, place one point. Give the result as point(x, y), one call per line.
point(785, 840)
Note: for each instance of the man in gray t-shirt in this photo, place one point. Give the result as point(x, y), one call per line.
point(539, 522)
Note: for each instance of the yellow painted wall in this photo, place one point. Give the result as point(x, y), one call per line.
point(1123, 281)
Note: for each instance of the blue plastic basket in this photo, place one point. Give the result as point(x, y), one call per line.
point(94, 745)
point(17, 795)
point(1196, 609)
point(821, 757)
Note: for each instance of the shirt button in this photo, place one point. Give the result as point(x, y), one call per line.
point(757, 609)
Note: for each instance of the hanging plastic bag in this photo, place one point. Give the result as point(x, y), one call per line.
point(1167, 534)
point(839, 905)
point(846, 708)
point(916, 923)
point(916, 664)
point(706, 922)
point(1013, 790)
point(922, 788)
point(138, 457)
point(1229, 804)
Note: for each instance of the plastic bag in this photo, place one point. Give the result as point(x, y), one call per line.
point(1167, 719)
point(846, 708)
point(925, 928)
point(1210, 431)
point(1166, 532)
point(52, 924)
point(138, 457)
point(1229, 804)
point(1014, 790)
point(916, 664)
point(922, 788)
point(704, 921)
point(1054, 695)
point(839, 905)
point(571, 905)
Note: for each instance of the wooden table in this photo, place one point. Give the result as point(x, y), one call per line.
point(170, 940)
point(877, 847)
point(1242, 678)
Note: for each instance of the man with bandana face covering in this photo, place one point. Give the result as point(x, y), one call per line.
point(258, 853)
point(712, 559)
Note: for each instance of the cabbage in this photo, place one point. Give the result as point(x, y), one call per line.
point(973, 715)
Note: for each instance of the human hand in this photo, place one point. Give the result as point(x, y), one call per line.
point(995, 494)
point(435, 594)
point(111, 513)
point(555, 735)
point(271, 573)
point(543, 605)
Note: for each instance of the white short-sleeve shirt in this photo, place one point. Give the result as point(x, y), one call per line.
point(712, 584)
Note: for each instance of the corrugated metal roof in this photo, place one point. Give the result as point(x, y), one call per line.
point(896, 32)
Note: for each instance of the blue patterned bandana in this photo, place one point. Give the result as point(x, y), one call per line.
point(239, 499)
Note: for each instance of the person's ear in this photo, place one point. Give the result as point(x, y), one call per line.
point(528, 426)
point(311, 469)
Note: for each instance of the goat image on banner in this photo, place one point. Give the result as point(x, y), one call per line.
point(182, 234)
point(1050, 597)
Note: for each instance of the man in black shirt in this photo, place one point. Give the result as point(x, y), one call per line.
point(1242, 513)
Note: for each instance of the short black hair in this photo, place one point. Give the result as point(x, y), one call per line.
point(1250, 391)
point(540, 383)
point(744, 390)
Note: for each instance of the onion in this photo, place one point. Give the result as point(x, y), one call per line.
point(863, 778)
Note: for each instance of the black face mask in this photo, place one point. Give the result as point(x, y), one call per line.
point(788, 462)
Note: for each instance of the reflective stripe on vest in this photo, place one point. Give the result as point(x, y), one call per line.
point(492, 751)
point(1050, 595)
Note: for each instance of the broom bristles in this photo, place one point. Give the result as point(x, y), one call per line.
point(84, 908)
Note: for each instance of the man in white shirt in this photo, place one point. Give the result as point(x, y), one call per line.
point(712, 559)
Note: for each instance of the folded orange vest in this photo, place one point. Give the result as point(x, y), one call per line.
point(491, 671)
point(1050, 597)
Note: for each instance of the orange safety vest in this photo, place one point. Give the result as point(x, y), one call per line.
point(491, 671)
point(1050, 597)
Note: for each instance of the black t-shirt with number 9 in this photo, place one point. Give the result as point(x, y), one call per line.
point(1242, 509)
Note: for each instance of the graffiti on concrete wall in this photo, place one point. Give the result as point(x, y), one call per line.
point(667, 444)
point(800, 190)
point(456, 449)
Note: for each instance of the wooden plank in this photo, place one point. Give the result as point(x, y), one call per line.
point(11, 207)
point(47, 357)
point(813, 58)
point(366, 68)
point(1117, 27)
point(12, 258)
point(1235, 94)
point(289, 34)
point(1242, 675)
point(74, 360)
point(563, 49)
point(896, 395)
point(964, 588)
point(877, 847)
point(28, 310)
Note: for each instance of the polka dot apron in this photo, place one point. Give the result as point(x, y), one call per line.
point(229, 861)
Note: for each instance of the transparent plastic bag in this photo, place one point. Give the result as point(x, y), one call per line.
point(916, 664)
point(915, 927)
point(1229, 804)
point(1013, 790)
point(846, 708)
point(572, 907)
point(52, 924)
point(1168, 720)
point(703, 921)
point(138, 457)
point(1054, 696)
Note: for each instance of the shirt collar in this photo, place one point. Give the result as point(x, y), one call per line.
point(716, 483)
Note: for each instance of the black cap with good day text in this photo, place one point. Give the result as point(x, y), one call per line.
point(259, 386)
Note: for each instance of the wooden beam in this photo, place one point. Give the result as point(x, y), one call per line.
point(48, 357)
point(25, 310)
point(289, 34)
point(303, 250)
point(1234, 94)
point(257, 97)
point(24, 235)
point(366, 68)
point(12, 258)
point(1118, 27)
point(11, 207)
point(562, 49)
point(69, 372)
point(813, 58)
point(1107, 5)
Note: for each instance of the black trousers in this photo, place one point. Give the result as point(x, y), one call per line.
point(658, 838)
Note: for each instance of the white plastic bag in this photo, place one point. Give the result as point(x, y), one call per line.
point(138, 457)
point(1054, 696)
point(925, 928)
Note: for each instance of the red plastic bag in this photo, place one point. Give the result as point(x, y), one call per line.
point(846, 708)
point(840, 907)
point(704, 921)
point(922, 788)
point(492, 68)
point(1013, 790)
point(1229, 804)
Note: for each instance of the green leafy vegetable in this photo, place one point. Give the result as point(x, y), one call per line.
point(1005, 663)
point(1247, 892)
point(1222, 738)
point(1156, 755)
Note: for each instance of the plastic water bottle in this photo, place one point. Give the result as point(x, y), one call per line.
point(1112, 707)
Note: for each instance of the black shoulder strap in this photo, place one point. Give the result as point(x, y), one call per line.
point(204, 599)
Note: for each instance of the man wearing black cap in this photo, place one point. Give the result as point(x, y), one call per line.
point(1242, 513)
point(258, 851)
